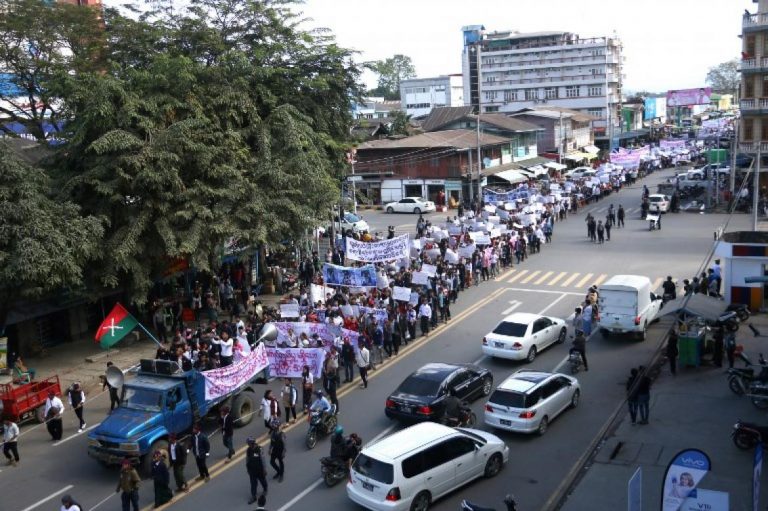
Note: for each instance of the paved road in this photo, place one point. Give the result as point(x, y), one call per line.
point(552, 282)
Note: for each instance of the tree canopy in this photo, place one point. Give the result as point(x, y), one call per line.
point(391, 72)
point(724, 78)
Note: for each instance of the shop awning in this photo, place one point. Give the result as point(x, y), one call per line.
point(705, 307)
point(527, 172)
point(578, 156)
point(555, 166)
point(513, 176)
point(537, 170)
point(591, 149)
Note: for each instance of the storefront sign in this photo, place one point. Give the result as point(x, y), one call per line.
point(434, 181)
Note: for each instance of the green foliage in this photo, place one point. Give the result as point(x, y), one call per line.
point(724, 78)
point(44, 243)
point(400, 123)
point(391, 72)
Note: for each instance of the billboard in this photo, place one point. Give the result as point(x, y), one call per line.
point(687, 97)
point(649, 111)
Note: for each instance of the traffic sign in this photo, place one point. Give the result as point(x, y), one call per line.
point(354, 178)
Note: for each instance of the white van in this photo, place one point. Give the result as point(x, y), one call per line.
point(412, 468)
point(627, 305)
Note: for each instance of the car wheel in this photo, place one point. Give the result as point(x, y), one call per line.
point(420, 502)
point(531, 354)
point(605, 333)
point(390, 210)
point(575, 398)
point(487, 386)
point(417, 211)
point(562, 335)
point(493, 465)
point(543, 426)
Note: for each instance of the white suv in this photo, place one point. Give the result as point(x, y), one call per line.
point(412, 468)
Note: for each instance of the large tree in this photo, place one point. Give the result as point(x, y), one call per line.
point(724, 78)
point(391, 72)
point(44, 242)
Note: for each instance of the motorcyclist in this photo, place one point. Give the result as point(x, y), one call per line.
point(580, 346)
point(338, 444)
point(670, 289)
point(321, 405)
point(452, 407)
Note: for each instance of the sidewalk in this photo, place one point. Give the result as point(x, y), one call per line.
point(694, 409)
point(84, 360)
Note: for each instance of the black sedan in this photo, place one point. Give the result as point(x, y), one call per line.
point(421, 396)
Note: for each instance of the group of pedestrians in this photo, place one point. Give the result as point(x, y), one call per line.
point(599, 231)
point(638, 394)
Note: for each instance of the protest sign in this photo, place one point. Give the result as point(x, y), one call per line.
point(377, 251)
point(317, 293)
point(416, 244)
point(495, 233)
point(414, 299)
point(433, 253)
point(483, 239)
point(289, 310)
point(429, 269)
point(420, 278)
point(382, 281)
point(451, 257)
point(290, 362)
point(364, 276)
point(495, 219)
point(490, 209)
point(402, 294)
point(222, 381)
point(467, 251)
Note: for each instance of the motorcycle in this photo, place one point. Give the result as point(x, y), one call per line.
point(747, 435)
point(574, 361)
point(333, 470)
point(466, 418)
point(320, 425)
point(741, 310)
point(509, 501)
point(740, 379)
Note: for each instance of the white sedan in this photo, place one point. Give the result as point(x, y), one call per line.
point(352, 222)
point(658, 203)
point(410, 205)
point(520, 336)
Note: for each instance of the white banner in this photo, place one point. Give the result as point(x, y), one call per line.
point(290, 362)
point(402, 294)
point(289, 310)
point(225, 380)
point(378, 251)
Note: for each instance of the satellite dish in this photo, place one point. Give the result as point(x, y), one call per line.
point(268, 333)
point(115, 376)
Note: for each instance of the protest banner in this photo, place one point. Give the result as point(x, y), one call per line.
point(326, 332)
point(402, 294)
point(420, 278)
point(467, 251)
point(364, 276)
point(377, 251)
point(483, 239)
point(290, 362)
point(222, 381)
point(381, 315)
point(289, 310)
point(429, 269)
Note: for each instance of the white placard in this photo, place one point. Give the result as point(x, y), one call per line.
point(402, 294)
point(439, 234)
point(495, 219)
point(433, 253)
point(503, 215)
point(467, 251)
point(416, 244)
point(490, 209)
point(414, 299)
point(495, 233)
point(454, 230)
point(382, 281)
point(483, 240)
point(429, 269)
point(289, 310)
point(317, 293)
point(451, 257)
point(420, 278)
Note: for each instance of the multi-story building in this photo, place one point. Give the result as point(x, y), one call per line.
point(753, 133)
point(420, 95)
point(508, 71)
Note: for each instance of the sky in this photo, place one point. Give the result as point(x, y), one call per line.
point(668, 44)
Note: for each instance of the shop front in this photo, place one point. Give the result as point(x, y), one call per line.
point(744, 261)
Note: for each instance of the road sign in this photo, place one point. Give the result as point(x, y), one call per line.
point(513, 304)
point(353, 179)
point(635, 491)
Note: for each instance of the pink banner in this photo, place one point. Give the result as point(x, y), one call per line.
point(687, 97)
point(225, 380)
point(290, 362)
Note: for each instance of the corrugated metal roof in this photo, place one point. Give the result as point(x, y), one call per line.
point(444, 115)
point(459, 139)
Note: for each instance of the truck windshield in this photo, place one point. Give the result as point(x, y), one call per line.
point(142, 399)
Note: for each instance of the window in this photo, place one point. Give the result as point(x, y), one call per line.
point(595, 112)
point(511, 329)
point(572, 91)
point(748, 127)
point(595, 90)
point(419, 387)
point(550, 92)
point(459, 379)
point(531, 94)
point(749, 88)
point(490, 79)
point(510, 95)
point(490, 109)
point(507, 398)
point(375, 469)
point(490, 95)
point(595, 71)
point(550, 388)
point(457, 447)
point(764, 130)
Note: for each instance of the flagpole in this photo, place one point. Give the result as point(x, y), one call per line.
point(149, 334)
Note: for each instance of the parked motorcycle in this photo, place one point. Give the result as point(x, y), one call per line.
point(740, 378)
point(333, 470)
point(574, 361)
point(509, 501)
point(746, 435)
point(741, 310)
point(320, 424)
point(466, 418)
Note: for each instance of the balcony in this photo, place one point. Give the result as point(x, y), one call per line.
point(754, 105)
point(752, 147)
point(754, 22)
point(756, 65)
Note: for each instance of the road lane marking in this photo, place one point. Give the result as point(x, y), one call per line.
point(600, 279)
point(584, 281)
point(657, 283)
point(515, 277)
point(570, 279)
point(86, 430)
point(103, 501)
point(301, 495)
point(544, 277)
point(554, 302)
point(547, 291)
point(557, 279)
point(530, 277)
point(513, 304)
point(49, 497)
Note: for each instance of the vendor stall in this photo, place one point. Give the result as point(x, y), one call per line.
point(694, 314)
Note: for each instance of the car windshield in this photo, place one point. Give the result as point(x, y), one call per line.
point(656, 199)
point(351, 218)
point(510, 329)
point(419, 386)
point(374, 469)
point(142, 399)
point(507, 398)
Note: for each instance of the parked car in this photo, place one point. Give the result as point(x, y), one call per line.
point(627, 305)
point(578, 172)
point(410, 205)
point(351, 222)
point(412, 468)
point(658, 203)
point(421, 396)
point(520, 336)
point(528, 401)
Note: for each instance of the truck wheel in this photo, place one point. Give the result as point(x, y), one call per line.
point(242, 409)
point(146, 460)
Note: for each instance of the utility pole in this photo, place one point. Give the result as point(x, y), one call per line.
point(734, 148)
point(561, 145)
point(479, 108)
point(756, 186)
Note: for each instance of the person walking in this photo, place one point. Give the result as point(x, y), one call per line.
point(307, 386)
point(201, 449)
point(161, 479)
point(254, 465)
point(425, 315)
point(600, 232)
point(608, 226)
point(76, 398)
point(631, 386)
point(114, 398)
point(10, 441)
point(177, 457)
point(289, 395)
point(69, 504)
point(277, 452)
point(363, 360)
point(643, 395)
point(128, 484)
point(672, 352)
point(620, 217)
point(52, 411)
point(227, 425)
point(579, 345)
point(578, 321)
point(348, 360)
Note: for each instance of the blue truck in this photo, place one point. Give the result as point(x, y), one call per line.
point(160, 400)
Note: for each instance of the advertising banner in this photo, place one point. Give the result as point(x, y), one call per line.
point(378, 251)
point(684, 473)
point(222, 381)
point(290, 362)
point(364, 276)
point(649, 110)
point(687, 97)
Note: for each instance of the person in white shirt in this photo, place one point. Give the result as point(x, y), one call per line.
point(10, 441)
point(425, 315)
point(67, 504)
point(226, 345)
point(363, 359)
point(53, 410)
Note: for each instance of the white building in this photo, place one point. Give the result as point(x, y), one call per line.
point(420, 95)
point(558, 69)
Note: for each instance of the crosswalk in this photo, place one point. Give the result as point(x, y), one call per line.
point(597, 211)
point(564, 279)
